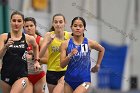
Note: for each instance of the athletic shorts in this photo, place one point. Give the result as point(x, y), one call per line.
point(10, 80)
point(74, 85)
point(52, 77)
point(34, 78)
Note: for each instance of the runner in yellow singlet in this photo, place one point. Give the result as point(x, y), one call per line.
point(51, 44)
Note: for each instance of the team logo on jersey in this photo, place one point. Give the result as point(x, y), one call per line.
point(22, 41)
point(17, 46)
point(82, 53)
point(55, 49)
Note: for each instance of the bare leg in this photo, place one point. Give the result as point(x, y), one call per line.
point(20, 85)
point(29, 88)
point(83, 88)
point(51, 87)
point(5, 87)
point(39, 87)
point(67, 88)
point(59, 88)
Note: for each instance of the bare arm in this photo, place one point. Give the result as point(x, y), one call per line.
point(64, 60)
point(46, 42)
point(98, 47)
point(31, 40)
point(0, 65)
point(44, 59)
point(3, 47)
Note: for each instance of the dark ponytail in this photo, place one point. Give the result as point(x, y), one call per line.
point(51, 29)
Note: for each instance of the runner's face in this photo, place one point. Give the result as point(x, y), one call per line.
point(58, 23)
point(30, 28)
point(16, 22)
point(78, 28)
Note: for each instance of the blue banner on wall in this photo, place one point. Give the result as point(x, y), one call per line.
point(111, 71)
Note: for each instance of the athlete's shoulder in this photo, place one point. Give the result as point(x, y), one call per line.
point(67, 34)
point(29, 38)
point(4, 36)
point(64, 44)
point(92, 43)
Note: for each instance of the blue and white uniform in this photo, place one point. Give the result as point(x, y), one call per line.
point(78, 70)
